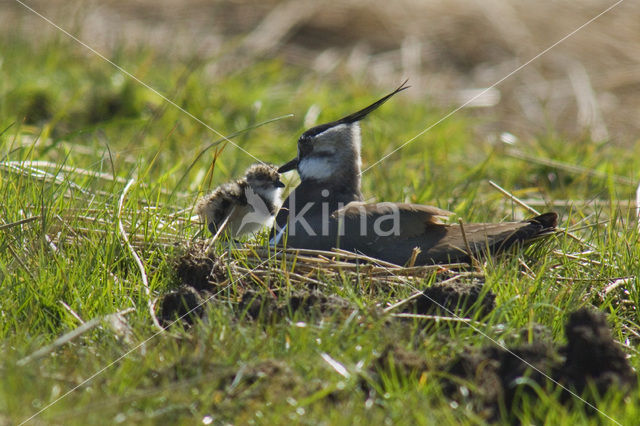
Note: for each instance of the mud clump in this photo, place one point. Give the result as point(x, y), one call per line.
point(591, 355)
point(405, 362)
point(197, 272)
point(200, 269)
point(184, 304)
point(500, 374)
point(187, 303)
point(272, 372)
point(277, 305)
point(200, 273)
point(492, 377)
point(459, 298)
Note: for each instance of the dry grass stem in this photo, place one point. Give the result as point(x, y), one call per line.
point(223, 225)
point(514, 198)
point(434, 317)
point(143, 274)
point(313, 267)
point(71, 311)
point(414, 255)
point(474, 261)
point(21, 262)
point(618, 283)
point(18, 222)
point(402, 302)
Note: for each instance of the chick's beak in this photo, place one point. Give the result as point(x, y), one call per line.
point(289, 166)
point(279, 184)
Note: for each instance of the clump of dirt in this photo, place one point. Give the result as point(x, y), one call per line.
point(534, 332)
point(498, 374)
point(271, 306)
point(200, 268)
point(250, 373)
point(185, 304)
point(592, 355)
point(463, 299)
point(199, 272)
point(404, 361)
point(494, 377)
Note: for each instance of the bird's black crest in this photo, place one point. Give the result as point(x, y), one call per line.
point(356, 116)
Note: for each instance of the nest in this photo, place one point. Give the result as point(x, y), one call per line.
point(202, 268)
point(264, 279)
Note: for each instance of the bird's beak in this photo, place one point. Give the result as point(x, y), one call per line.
point(279, 184)
point(289, 166)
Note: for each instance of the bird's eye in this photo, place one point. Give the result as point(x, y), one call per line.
point(304, 145)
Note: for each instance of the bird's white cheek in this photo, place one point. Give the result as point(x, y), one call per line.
point(315, 168)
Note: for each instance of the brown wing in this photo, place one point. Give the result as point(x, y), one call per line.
point(412, 219)
point(419, 226)
point(484, 238)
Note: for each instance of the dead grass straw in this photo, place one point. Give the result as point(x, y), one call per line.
point(145, 283)
point(304, 266)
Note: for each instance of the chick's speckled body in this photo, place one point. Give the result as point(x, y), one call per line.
point(249, 203)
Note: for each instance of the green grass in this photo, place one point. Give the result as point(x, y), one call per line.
point(59, 104)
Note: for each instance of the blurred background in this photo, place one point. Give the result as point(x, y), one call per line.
point(588, 86)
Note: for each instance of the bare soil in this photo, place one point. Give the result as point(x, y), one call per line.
point(590, 364)
point(460, 298)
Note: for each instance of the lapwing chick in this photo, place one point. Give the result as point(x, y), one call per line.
point(326, 211)
point(243, 206)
